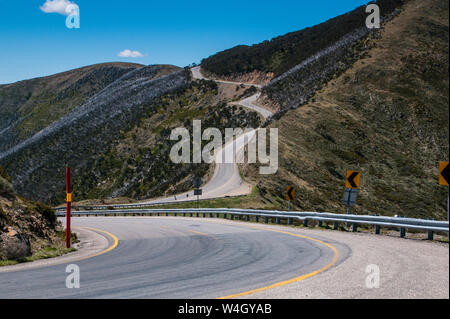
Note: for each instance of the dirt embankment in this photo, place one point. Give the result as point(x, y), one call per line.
point(255, 77)
point(28, 230)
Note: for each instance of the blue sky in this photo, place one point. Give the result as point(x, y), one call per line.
point(34, 43)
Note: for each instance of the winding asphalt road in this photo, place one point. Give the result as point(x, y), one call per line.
point(179, 258)
point(226, 180)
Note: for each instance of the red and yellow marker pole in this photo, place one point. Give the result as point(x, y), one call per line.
point(68, 207)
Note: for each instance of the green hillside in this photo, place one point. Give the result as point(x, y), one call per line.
point(285, 52)
point(28, 106)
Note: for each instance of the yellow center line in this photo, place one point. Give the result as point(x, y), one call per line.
point(296, 279)
point(199, 233)
point(116, 241)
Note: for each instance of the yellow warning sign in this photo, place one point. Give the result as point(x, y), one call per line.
point(352, 180)
point(290, 193)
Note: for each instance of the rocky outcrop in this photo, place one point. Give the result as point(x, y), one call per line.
point(26, 227)
point(13, 245)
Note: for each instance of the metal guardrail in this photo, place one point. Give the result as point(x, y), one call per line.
point(430, 226)
point(137, 205)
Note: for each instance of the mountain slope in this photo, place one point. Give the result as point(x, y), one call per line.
point(78, 136)
point(280, 54)
point(386, 116)
point(28, 106)
point(117, 141)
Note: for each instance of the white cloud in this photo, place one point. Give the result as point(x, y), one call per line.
point(64, 7)
point(130, 54)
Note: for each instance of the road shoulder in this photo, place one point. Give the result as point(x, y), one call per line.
point(91, 243)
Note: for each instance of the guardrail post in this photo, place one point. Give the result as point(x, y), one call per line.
point(305, 222)
point(377, 229)
point(266, 219)
point(225, 215)
point(402, 232)
point(335, 225)
point(277, 220)
point(211, 215)
point(289, 221)
point(354, 227)
point(320, 223)
point(430, 235)
point(239, 217)
point(247, 218)
point(167, 214)
point(232, 217)
point(257, 219)
point(198, 215)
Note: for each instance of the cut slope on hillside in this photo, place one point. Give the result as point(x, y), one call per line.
point(387, 117)
point(28, 230)
point(28, 106)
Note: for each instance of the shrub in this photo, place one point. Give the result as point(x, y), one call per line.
point(47, 212)
point(4, 175)
point(6, 188)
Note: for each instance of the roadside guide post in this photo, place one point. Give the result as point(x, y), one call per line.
point(68, 206)
point(197, 191)
point(290, 195)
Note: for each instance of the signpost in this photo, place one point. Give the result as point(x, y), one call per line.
point(68, 206)
point(197, 182)
point(352, 181)
point(290, 195)
point(350, 198)
point(444, 177)
point(197, 191)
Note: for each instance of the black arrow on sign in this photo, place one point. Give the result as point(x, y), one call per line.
point(351, 179)
point(290, 195)
point(446, 174)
